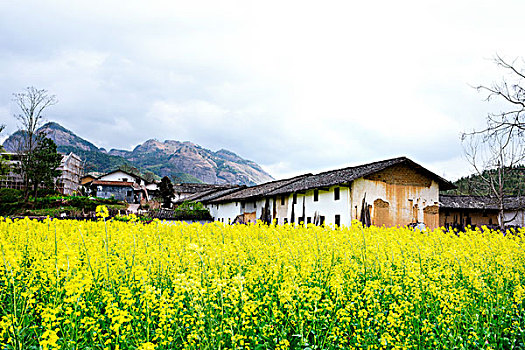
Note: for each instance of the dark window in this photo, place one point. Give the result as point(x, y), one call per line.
point(321, 220)
point(309, 220)
point(490, 221)
point(485, 214)
point(295, 198)
point(285, 220)
point(338, 220)
point(255, 204)
point(242, 205)
point(277, 221)
point(469, 221)
point(316, 195)
point(336, 193)
point(130, 193)
point(447, 213)
point(300, 219)
point(125, 179)
point(282, 200)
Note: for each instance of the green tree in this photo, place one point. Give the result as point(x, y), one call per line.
point(43, 165)
point(166, 191)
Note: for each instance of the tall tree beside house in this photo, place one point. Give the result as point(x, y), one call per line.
point(43, 165)
point(496, 151)
point(166, 191)
point(32, 103)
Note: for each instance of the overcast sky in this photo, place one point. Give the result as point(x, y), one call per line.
point(296, 86)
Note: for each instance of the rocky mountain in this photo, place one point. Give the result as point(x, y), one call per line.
point(182, 161)
point(180, 158)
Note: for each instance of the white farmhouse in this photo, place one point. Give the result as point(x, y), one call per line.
point(391, 192)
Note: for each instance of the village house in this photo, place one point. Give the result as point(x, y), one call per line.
point(120, 185)
point(67, 183)
point(460, 211)
point(71, 168)
point(391, 192)
point(87, 178)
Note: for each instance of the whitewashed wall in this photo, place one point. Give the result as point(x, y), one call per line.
point(517, 218)
point(118, 176)
point(326, 206)
point(225, 212)
point(281, 211)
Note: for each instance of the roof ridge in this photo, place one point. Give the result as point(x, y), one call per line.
point(400, 159)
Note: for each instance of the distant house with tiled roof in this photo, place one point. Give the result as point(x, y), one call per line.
point(183, 191)
point(462, 210)
point(120, 185)
point(392, 192)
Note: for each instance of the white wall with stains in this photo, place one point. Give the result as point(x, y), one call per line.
point(406, 203)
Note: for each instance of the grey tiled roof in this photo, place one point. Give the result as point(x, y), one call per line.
point(257, 191)
point(479, 202)
point(198, 187)
point(326, 179)
point(216, 194)
point(347, 175)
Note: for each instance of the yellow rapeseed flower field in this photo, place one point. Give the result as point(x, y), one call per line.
point(129, 285)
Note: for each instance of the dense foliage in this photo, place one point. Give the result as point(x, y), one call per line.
point(12, 203)
point(514, 183)
point(99, 285)
point(190, 210)
point(41, 165)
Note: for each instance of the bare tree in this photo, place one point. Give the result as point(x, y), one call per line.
point(496, 150)
point(510, 91)
point(32, 103)
point(495, 158)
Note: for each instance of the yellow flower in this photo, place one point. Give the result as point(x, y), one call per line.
point(102, 211)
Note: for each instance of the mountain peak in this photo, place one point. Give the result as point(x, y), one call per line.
point(55, 126)
point(179, 160)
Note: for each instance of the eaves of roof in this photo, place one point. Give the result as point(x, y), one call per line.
point(257, 191)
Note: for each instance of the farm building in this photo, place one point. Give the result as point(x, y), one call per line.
point(391, 192)
point(461, 211)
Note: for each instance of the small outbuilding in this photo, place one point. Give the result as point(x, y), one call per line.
point(460, 211)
